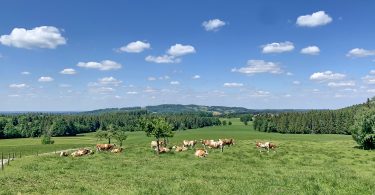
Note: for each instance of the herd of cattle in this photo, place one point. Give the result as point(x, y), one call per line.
point(186, 145)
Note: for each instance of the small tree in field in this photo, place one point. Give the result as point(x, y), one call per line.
point(224, 122)
point(120, 136)
point(47, 139)
point(158, 128)
point(230, 123)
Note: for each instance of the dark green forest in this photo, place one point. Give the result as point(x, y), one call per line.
point(38, 124)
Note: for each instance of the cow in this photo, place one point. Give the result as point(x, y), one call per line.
point(117, 150)
point(189, 143)
point(105, 147)
point(81, 152)
point(265, 145)
point(201, 153)
point(227, 142)
point(154, 144)
point(213, 144)
point(179, 148)
point(63, 153)
point(162, 149)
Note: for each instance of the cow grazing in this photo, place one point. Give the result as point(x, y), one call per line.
point(189, 143)
point(201, 153)
point(213, 144)
point(154, 144)
point(105, 147)
point(117, 150)
point(63, 153)
point(227, 142)
point(266, 145)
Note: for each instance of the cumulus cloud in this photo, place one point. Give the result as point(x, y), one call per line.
point(45, 79)
point(25, 73)
point(39, 37)
point(135, 47)
point(68, 71)
point(259, 66)
point(359, 52)
point(369, 79)
point(103, 65)
point(316, 19)
point(260, 93)
point(342, 84)
point(180, 50)
point(103, 90)
point(174, 83)
point(164, 59)
point(296, 82)
point(311, 50)
point(109, 81)
point(233, 85)
point(213, 25)
point(326, 76)
point(196, 77)
point(278, 47)
point(18, 86)
point(132, 92)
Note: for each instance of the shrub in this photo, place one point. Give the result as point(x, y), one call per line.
point(46, 139)
point(363, 130)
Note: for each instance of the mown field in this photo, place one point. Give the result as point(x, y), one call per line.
point(303, 164)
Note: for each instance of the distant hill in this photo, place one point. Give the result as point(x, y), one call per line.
point(179, 108)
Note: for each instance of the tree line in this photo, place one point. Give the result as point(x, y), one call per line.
point(38, 124)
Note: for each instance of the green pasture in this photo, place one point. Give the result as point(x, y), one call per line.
point(303, 164)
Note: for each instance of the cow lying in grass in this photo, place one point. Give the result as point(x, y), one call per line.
point(266, 145)
point(162, 149)
point(154, 144)
point(63, 153)
point(105, 147)
point(82, 152)
point(179, 148)
point(201, 153)
point(189, 143)
point(117, 150)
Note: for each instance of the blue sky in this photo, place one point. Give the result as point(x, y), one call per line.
point(87, 55)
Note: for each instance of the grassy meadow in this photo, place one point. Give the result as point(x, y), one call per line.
point(303, 164)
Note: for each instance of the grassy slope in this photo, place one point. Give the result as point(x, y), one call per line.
point(326, 164)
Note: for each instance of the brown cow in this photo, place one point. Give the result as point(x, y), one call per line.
point(189, 143)
point(104, 147)
point(227, 142)
point(117, 150)
point(81, 152)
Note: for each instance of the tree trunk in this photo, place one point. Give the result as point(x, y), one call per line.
point(158, 146)
point(109, 140)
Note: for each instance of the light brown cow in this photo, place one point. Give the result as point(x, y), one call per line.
point(162, 149)
point(117, 150)
point(63, 153)
point(82, 152)
point(201, 153)
point(265, 145)
point(189, 143)
point(104, 147)
point(227, 142)
point(154, 144)
point(179, 148)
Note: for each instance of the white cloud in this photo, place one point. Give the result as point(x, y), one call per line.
point(370, 91)
point(103, 65)
point(45, 79)
point(68, 71)
point(342, 84)
point(259, 66)
point(174, 83)
point(135, 47)
point(196, 77)
point(39, 37)
point(260, 94)
point(151, 78)
point(311, 50)
point(369, 79)
point(213, 25)
point(18, 86)
point(327, 75)
point(359, 52)
point(278, 47)
point(372, 71)
point(233, 85)
point(289, 74)
point(165, 59)
point(180, 50)
point(25, 73)
point(150, 90)
point(109, 81)
point(103, 90)
point(14, 95)
point(132, 92)
point(316, 19)
point(64, 85)
point(296, 82)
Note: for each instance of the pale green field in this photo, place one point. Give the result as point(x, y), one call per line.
point(303, 164)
